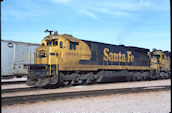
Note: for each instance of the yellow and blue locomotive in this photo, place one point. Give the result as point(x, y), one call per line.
point(64, 59)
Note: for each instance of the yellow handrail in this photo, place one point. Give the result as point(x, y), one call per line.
point(50, 69)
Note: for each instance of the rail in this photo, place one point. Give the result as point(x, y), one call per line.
point(67, 95)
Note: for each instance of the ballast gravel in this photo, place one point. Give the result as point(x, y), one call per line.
point(147, 102)
point(92, 87)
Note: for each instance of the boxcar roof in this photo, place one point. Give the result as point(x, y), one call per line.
point(19, 42)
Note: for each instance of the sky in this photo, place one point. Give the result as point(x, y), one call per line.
point(140, 23)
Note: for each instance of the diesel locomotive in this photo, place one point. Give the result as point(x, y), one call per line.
point(64, 60)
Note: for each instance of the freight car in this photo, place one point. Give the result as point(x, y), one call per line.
point(64, 59)
point(13, 55)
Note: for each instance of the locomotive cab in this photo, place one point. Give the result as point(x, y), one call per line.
point(56, 52)
point(158, 59)
point(47, 62)
point(160, 63)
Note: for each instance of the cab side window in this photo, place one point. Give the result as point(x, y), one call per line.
point(61, 44)
point(163, 57)
point(72, 46)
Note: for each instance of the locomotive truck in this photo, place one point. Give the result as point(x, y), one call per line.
point(64, 59)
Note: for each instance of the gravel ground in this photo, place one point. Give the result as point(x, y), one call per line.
point(149, 102)
point(94, 87)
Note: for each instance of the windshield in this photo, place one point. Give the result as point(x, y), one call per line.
point(52, 43)
point(48, 43)
point(157, 56)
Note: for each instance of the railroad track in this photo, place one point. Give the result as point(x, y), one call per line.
point(24, 81)
point(66, 95)
point(13, 82)
point(13, 90)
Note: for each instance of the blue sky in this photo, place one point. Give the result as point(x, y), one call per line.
point(140, 23)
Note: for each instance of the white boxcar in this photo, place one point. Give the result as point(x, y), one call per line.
point(14, 55)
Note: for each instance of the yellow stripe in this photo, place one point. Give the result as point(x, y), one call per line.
point(96, 67)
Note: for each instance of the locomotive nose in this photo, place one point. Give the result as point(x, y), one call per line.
point(42, 56)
